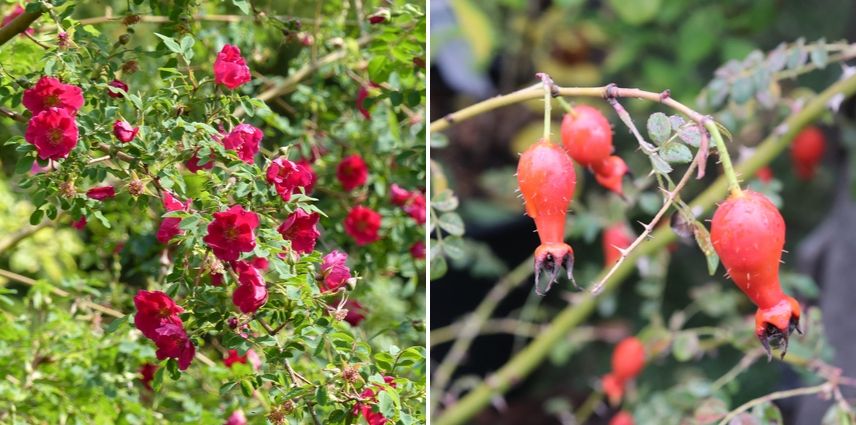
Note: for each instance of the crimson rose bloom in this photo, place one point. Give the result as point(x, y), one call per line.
point(251, 293)
point(169, 227)
point(172, 341)
point(416, 208)
point(251, 356)
point(147, 374)
point(124, 132)
point(372, 417)
point(230, 69)
point(237, 418)
point(300, 228)
point(287, 176)
point(101, 193)
point(307, 168)
point(417, 250)
point(399, 195)
point(244, 139)
point(362, 224)
point(80, 224)
point(232, 232)
point(51, 93)
point(155, 309)
point(119, 85)
point(334, 272)
point(53, 132)
point(352, 172)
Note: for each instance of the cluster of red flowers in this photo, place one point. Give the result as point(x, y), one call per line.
point(157, 318)
point(250, 357)
point(53, 128)
point(288, 177)
point(412, 202)
point(365, 408)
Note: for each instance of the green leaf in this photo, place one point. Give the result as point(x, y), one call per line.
point(451, 223)
point(675, 153)
point(244, 5)
point(685, 346)
point(445, 201)
point(36, 217)
point(659, 127)
point(385, 404)
point(635, 12)
point(438, 267)
point(702, 237)
point(819, 55)
point(115, 324)
point(170, 43)
point(660, 166)
point(454, 247)
point(690, 135)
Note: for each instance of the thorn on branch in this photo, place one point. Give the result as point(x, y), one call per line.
point(665, 95)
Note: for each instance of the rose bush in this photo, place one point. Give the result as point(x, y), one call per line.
point(204, 245)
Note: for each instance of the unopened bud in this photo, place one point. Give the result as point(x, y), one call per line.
point(124, 38)
point(131, 19)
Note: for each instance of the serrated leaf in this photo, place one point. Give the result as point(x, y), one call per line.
point(454, 247)
point(660, 166)
point(452, 223)
point(170, 43)
point(438, 267)
point(659, 127)
point(691, 135)
point(675, 153)
point(445, 201)
point(676, 121)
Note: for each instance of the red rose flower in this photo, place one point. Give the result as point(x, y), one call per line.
point(230, 69)
point(53, 132)
point(216, 279)
point(300, 228)
point(417, 250)
point(416, 207)
point(365, 408)
point(80, 224)
point(119, 85)
point(169, 227)
point(334, 272)
point(232, 232)
point(251, 293)
point(147, 374)
point(17, 11)
point(172, 341)
point(101, 193)
point(193, 165)
point(362, 224)
point(251, 356)
point(260, 263)
point(352, 172)
point(155, 309)
point(237, 418)
point(306, 167)
point(244, 139)
point(124, 132)
point(287, 176)
point(51, 93)
point(399, 195)
point(356, 312)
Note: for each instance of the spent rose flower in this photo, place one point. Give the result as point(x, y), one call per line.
point(169, 227)
point(334, 271)
point(352, 172)
point(287, 176)
point(147, 374)
point(417, 250)
point(124, 131)
point(362, 224)
point(172, 342)
point(232, 232)
point(17, 11)
point(155, 309)
point(301, 229)
point(237, 418)
point(53, 132)
point(101, 193)
point(230, 69)
point(51, 93)
point(356, 312)
point(244, 139)
point(233, 357)
point(119, 84)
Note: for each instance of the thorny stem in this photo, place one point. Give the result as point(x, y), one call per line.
point(530, 357)
point(670, 198)
point(822, 388)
